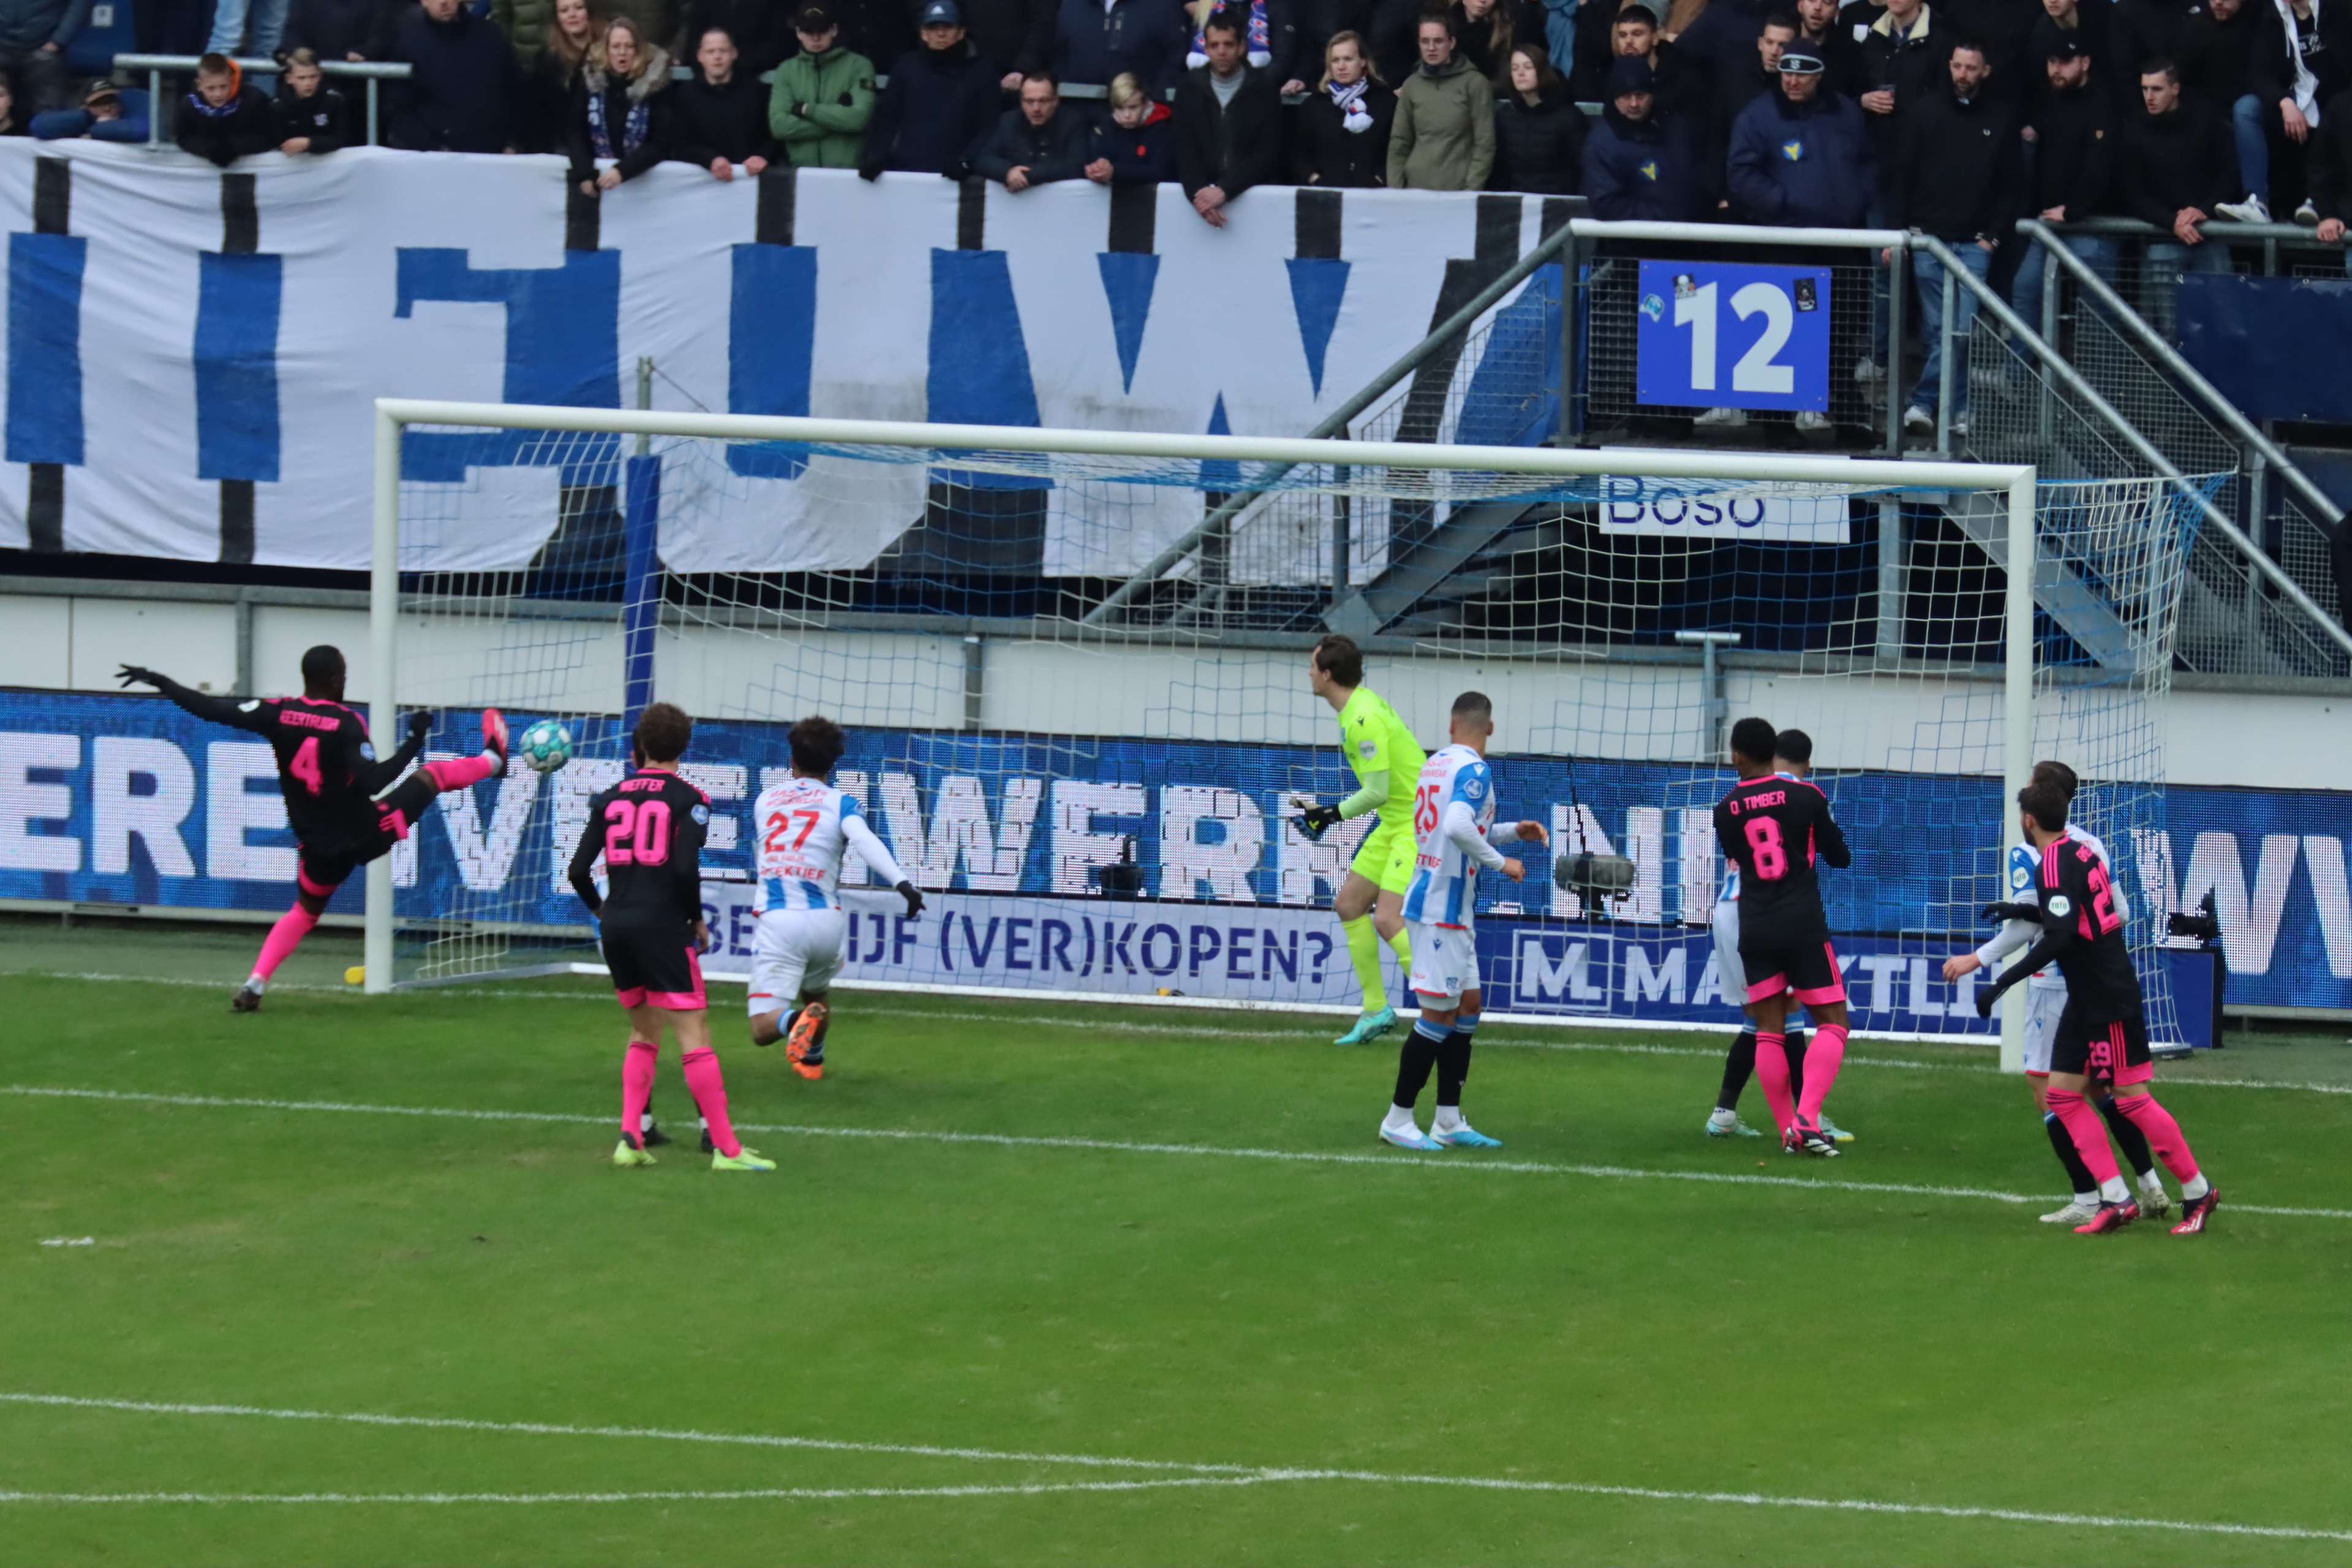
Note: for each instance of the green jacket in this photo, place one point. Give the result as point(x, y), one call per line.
point(525, 24)
point(1443, 137)
point(819, 108)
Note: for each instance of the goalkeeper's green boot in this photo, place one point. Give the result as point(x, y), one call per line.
point(626, 1154)
point(1370, 1027)
point(749, 1160)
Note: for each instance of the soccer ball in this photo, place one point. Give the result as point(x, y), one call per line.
point(546, 746)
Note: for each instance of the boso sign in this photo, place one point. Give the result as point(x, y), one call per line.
point(1648, 508)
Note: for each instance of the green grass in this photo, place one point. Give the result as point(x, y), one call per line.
point(1408, 1318)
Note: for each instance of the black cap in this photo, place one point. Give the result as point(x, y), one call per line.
point(1801, 58)
point(1630, 73)
point(811, 19)
point(2066, 48)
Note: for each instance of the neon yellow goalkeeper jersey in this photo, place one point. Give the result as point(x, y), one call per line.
point(1376, 740)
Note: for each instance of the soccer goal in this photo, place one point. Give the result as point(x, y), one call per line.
point(1073, 665)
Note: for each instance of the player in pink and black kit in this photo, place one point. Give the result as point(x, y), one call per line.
point(330, 777)
point(2103, 1033)
point(649, 829)
point(1773, 828)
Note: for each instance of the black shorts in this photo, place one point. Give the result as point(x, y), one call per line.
point(656, 964)
point(2114, 1050)
point(327, 864)
point(1808, 971)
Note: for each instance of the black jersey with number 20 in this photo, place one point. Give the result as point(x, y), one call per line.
point(1773, 828)
point(649, 828)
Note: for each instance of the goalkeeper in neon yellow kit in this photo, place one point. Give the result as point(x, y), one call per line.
point(1387, 760)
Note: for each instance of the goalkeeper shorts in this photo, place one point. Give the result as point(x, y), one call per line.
point(1385, 858)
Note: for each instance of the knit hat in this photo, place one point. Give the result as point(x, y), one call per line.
point(1630, 73)
point(1800, 60)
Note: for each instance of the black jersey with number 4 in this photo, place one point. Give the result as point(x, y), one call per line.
point(326, 769)
point(2083, 930)
point(650, 829)
point(1773, 828)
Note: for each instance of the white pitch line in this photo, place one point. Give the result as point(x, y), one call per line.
point(757, 1494)
point(646, 1433)
point(1112, 1145)
point(1194, 1475)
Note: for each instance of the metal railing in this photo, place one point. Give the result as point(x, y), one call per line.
point(372, 72)
point(2292, 517)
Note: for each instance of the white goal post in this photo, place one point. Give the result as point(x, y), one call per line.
point(2010, 487)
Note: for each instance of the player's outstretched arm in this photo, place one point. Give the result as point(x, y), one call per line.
point(1462, 828)
point(1831, 838)
point(202, 704)
point(2057, 935)
point(376, 777)
point(583, 862)
point(879, 860)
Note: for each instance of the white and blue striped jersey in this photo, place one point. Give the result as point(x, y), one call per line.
point(2023, 880)
point(1454, 837)
point(802, 828)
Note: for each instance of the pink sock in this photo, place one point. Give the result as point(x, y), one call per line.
point(2090, 1134)
point(1772, 1072)
point(457, 775)
point(710, 1091)
point(1822, 1059)
point(636, 1088)
point(283, 939)
point(2163, 1134)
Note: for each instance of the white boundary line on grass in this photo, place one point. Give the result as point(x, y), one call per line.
point(1191, 1474)
point(1111, 1026)
point(1111, 1145)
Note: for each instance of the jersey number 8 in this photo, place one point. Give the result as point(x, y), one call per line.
point(1764, 843)
point(636, 833)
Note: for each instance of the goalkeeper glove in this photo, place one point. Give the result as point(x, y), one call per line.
point(909, 891)
point(136, 674)
point(420, 724)
point(1317, 820)
point(2013, 912)
point(1986, 996)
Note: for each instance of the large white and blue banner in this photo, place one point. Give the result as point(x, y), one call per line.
point(193, 355)
point(126, 800)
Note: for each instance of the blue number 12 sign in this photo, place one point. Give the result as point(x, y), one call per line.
point(1715, 336)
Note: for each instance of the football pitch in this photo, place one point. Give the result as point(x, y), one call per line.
point(351, 1279)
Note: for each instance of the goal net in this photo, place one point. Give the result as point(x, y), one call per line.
point(1058, 652)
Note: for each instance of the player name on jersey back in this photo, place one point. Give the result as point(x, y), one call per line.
point(800, 845)
point(1772, 830)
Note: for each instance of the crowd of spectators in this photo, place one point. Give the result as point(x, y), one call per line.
point(1954, 117)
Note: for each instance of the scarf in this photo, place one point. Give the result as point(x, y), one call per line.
point(633, 128)
point(235, 88)
point(2306, 85)
point(1354, 117)
point(1259, 50)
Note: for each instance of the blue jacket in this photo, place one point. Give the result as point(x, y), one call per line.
point(1651, 171)
point(1093, 43)
point(1811, 165)
point(932, 117)
point(27, 25)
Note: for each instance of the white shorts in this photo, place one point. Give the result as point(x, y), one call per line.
point(1727, 967)
point(1444, 964)
point(2043, 1003)
point(795, 951)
